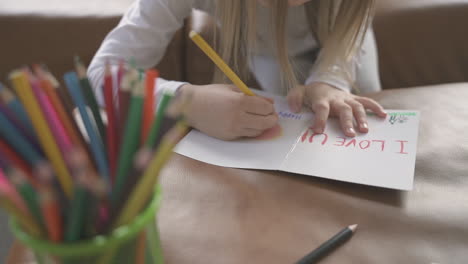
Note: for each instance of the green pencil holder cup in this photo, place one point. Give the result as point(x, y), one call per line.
point(137, 242)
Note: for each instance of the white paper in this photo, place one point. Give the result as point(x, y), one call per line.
point(385, 157)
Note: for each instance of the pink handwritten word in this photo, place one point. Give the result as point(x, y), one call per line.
point(374, 144)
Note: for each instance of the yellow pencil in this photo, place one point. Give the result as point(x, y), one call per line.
point(211, 53)
point(26, 95)
point(145, 187)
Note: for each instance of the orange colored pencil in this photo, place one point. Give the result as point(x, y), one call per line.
point(49, 203)
point(50, 211)
point(149, 105)
point(141, 248)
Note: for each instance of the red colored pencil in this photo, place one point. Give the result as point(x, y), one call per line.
point(120, 74)
point(148, 107)
point(111, 121)
point(17, 161)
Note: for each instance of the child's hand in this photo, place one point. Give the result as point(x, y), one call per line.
point(325, 100)
point(223, 112)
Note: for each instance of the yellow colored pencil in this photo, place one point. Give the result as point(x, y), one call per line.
point(145, 187)
point(211, 53)
point(26, 95)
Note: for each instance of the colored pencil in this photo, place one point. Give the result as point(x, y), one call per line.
point(75, 223)
point(24, 91)
point(21, 127)
point(48, 201)
point(120, 74)
point(90, 97)
point(57, 103)
point(211, 53)
point(28, 194)
point(130, 141)
point(61, 190)
point(145, 187)
point(7, 154)
point(24, 220)
point(98, 190)
point(9, 191)
point(141, 249)
point(157, 123)
point(63, 140)
point(111, 121)
point(149, 105)
point(128, 83)
point(12, 102)
point(51, 211)
point(18, 142)
point(68, 105)
point(329, 246)
point(96, 144)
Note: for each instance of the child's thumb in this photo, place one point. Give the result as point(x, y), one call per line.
point(295, 99)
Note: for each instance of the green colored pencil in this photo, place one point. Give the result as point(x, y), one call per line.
point(157, 123)
point(130, 141)
point(29, 195)
point(74, 227)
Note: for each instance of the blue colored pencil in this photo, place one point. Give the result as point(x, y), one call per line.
point(97, 147)
point(17, 141)
point(14, 104)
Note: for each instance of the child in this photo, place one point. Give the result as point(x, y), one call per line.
point(314, 51)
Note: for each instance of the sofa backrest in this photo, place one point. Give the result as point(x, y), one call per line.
point(422, 42)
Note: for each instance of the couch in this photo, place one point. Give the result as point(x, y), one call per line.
point(218, 215)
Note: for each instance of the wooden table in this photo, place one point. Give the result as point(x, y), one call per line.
point(219, 215)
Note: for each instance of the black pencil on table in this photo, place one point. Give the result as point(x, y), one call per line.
point(329, 245)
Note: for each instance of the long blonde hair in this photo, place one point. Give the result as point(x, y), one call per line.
point(338, 26)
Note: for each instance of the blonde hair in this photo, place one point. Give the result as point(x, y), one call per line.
point(339, 27)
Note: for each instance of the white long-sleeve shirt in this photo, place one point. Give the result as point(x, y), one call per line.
point(148, 26)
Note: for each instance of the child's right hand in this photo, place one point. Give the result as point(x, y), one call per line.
point(222, 111)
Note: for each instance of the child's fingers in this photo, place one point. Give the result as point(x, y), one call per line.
point(322, 111)
point(257, 105)
point(345, 113)
point(372, 105)
point(258, 122)
point(295, 99)
point(360, 115)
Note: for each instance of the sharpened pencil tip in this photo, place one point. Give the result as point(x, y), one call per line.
point(353, 227)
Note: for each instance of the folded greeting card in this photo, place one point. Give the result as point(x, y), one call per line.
point(384, 157)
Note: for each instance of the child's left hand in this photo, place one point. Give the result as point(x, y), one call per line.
point(325, 100)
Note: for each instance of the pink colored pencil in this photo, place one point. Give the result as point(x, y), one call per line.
point(10, 191)
point(57, 128)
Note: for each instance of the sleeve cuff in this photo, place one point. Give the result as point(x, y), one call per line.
point(170, 87)
point(332, 81)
